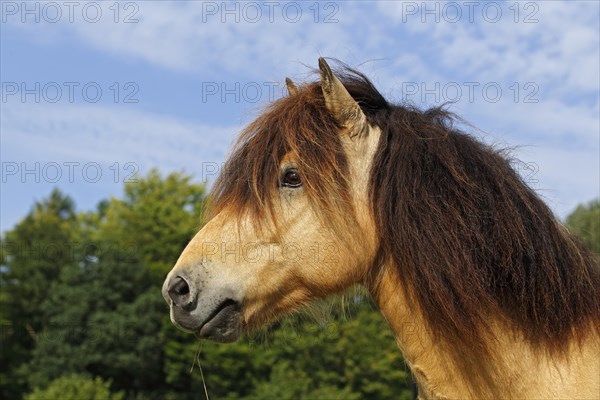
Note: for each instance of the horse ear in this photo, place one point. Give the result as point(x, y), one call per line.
point(337, 99)
point(291, 87)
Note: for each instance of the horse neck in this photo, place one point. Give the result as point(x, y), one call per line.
point(430, 367)
point(514, 369)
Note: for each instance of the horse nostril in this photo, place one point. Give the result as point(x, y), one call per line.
point(179, 292)
point(181, 287)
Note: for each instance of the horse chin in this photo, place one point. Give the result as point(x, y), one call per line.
point(224, 325)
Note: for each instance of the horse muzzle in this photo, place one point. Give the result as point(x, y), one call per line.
point(210, 314)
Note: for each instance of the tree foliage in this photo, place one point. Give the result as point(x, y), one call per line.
point(33, 256)
point(74, 387)
point(584, 221)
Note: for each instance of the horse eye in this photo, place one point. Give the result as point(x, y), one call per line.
point(291, 179)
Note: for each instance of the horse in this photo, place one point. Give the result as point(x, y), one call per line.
point(487, 293)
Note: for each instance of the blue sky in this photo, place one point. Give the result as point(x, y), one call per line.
point(93, 91)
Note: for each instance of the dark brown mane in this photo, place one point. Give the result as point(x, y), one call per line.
point(298, 125)
point(469, 237)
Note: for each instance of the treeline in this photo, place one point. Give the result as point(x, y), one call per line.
point(82, 316)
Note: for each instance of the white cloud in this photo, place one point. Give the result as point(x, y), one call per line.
point(558, 48)
point(194, 36)
point(203, 37)
point(109, 134)
point(561, 141)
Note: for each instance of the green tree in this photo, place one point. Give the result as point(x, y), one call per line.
point(155, 220)
point(584, 221)
point(33, 255)
point(101, 323)
point(105, 311)
point(76, 387)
